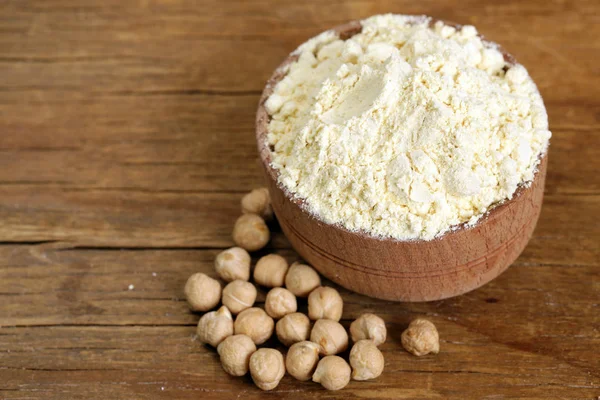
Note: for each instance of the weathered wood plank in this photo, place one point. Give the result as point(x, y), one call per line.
point(155, 383)
point(101, 44)
point(48, 292)
point(141, 219)
point(121, 219)
point(47, 285)
point(128, 361)
point(194, 143)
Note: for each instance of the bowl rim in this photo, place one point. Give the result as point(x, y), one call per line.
point(344, 32)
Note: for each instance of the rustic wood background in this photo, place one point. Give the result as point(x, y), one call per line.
point(126, 142)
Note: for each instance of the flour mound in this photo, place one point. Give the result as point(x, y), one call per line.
point(405, 130)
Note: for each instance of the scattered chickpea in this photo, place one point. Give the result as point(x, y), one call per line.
point(239, 295)
point(421, 338)
point(301, 360)
point(325, 302)
point(235, 352)
point(215, 326)
point(302, 279)
point(280, 302)
point(255, 323)
point(368, 326)
point(332, 372)
point(293, 328)
point(250, 232)
point(330, 336)
point(366, 360)
point(258, 202)
point(267, 368)
point(270, 270)
point(232, 264)
point(202, 292)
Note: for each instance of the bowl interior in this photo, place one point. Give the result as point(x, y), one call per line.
point(345, 32)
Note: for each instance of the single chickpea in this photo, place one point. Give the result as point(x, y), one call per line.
point(250, 232)
point(202, 292)
point(270, 270)
point(235, 352)
point(301, 360)
point(293, 328)
point(267, 368)
point(255, 323)
point(330, 336)
point(366, 360)
point(232, 264)
point(325, 303)
point(258, 202)
point(368, 326)
point(302, 279)
point(215, 326)
point(332, 372)
point(280, 302)
point(239, 295)
point(421, 338)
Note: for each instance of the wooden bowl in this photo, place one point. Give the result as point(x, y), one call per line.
point(455, 263)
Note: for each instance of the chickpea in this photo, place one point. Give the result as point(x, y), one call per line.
point(368, 326)
point(332, 372)
point(267, 368)
point(233, 264)
point(270, 270)
point(280, 302)
point(366, 360)
point(215, 326)
point(239, 295)
point(250, 232)
point(293, 328)
point(202, 292)
point(325, 302)
point(421, 338)
point(330, 336)
point(258, 202)
point(235, 352)
point(255, 323)
point(302, 279)
point(301, 360)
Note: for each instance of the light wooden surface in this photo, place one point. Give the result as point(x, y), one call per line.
point(127, 140)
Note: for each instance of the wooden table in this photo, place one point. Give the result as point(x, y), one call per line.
point(127, 141)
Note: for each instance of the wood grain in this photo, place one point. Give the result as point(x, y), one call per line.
point(76, 318)
point(127, 140)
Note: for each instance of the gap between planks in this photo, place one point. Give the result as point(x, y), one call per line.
point(64, 246)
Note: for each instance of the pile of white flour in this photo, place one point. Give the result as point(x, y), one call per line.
point(405, 130)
